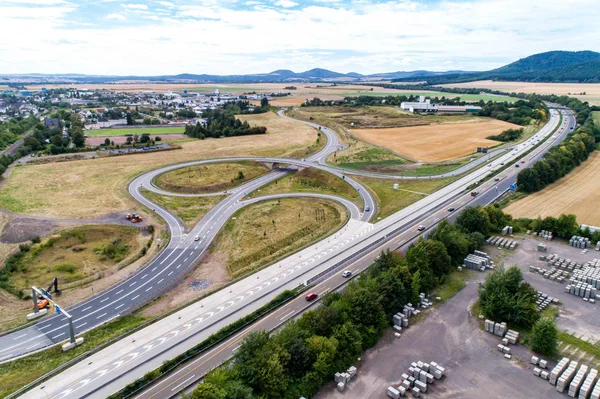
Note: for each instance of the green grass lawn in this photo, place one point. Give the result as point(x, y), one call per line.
point(596, 117)
point(139, 131)
point(409, 191)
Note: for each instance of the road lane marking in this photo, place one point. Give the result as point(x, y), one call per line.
point(56, 336)
point(20, 336)
point(121, 305)
point(149, 288)
point(176, 387)
point(88, 308)
point(134, 297)
point(288, 314)
point(101, 316)
point(117, 293)
point(104, 300)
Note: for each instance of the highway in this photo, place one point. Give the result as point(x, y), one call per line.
point(189, 326)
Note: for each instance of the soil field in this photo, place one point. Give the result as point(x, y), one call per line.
point(436, 143)
point(134, 130)
point(189, 209)
point(96, 187)
point(263, 232)
point(591, 90)
point(99, 140)
point(209, 178)
point(75, 254)
point(577, 193)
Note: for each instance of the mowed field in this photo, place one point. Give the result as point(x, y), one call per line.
point(577, 193)
point(435, 143)
point(96, 187)
point(134, 130)
point(591, 90)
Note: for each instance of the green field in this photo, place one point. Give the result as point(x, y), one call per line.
point(596, 117)
point(138, 131)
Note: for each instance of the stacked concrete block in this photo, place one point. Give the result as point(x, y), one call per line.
point(565, 379)
point(502, 242)
point(416, 392)
point(406, 384)
point(341, 386)
point(536, 371)
point(545, 234)
point(393, 393)
point(505, 230)
point(577, 381)
point(596, 392)
point(558, 370)
point(534, 360)
point(512, 336)
point(421, 385)
point(475, 262)
point(542, 247)
point(500, 329)
point(580, 242)
point(598, 246)
point(543, 363)
point(588, 385)
point(544, 375)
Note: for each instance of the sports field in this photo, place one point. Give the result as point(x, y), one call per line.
point(591, 90)
point(577, 193)
point(134, 130)
point(435, 143)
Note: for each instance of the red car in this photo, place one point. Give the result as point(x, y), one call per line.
point(311, 296)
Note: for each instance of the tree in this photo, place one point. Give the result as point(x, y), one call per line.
point(264, 102)
point(78, 139)
point(207, 391)
point(528, 180)
point(129, 119)
point(107, 142)
point(145, 138)
point(474, 218)
point(129, 139)
point(567, 226)
point(544, 337)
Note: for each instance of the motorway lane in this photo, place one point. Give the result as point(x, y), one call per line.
point(194, 370)
point(374, 236)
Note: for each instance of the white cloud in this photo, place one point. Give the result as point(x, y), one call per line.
point(166, 4)
point(286, 3)
point(216, 36)
point(114, 15)
point(135, 6)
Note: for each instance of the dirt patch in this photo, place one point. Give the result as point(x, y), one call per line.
point(577, 193)
point(212, 268)
point(24, 229)
point(436, 143)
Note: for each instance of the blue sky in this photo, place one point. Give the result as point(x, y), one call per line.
point(160, 37)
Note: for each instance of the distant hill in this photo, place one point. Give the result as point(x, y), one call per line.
point(552, 66)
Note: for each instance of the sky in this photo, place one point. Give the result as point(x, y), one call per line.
point(152, 37)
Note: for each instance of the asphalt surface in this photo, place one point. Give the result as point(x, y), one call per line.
point(185, 248)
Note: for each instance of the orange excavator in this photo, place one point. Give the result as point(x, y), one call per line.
point(43, 302)
point(134, 218)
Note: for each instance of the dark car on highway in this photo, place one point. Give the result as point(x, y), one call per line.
point(311, 296)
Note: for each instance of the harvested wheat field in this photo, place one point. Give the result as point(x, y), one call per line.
point(96, 187)
point(435, 143)
point(577, 193)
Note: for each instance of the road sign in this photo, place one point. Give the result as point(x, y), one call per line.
point(512, 187)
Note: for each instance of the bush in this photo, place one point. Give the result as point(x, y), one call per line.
point(24, 248)
point(36, 240)
point(544, 337)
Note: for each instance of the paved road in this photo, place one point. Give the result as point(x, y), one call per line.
point(169, 336)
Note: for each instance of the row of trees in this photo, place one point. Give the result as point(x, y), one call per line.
point(12, 129)
point(522, 112)
point(561, 159)
point(244, 107)
point(507, 135)
point(306, 353)
point(221, 123)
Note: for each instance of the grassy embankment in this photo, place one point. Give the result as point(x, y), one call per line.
point(264, 232)
point(209, 178)
point(189, 209)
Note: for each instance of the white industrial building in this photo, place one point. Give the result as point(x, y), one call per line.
point(425, 106)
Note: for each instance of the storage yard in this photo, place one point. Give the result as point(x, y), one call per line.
point(486, 355)
point(443, 142)
point(577, 193)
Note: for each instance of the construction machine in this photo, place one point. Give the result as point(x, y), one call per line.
point(43, 302)
point(134, 218)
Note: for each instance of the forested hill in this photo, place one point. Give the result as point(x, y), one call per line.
point(552, 66)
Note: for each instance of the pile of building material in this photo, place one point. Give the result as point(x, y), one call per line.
point(478, 261)
point(343, 378)
point(501, 242)
point(498, 329)
point(577, 382)
point(507, 230)
point(544, 300)
point(562, 263)
point(511, 337)
point(400, 319)
point(558, 370)
point(416, 381)
point(424, 302)
point(579, 242)
point(566, 377)
point(545, 234)
point(586, 291)
point(542, 247)
point(588, 385)
point(553, 274)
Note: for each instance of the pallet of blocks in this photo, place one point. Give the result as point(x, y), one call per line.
point(588, 385)
point(580, 242)
point(577, 381)
point(558, 370)
point(566, 377)
point(545, 234)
